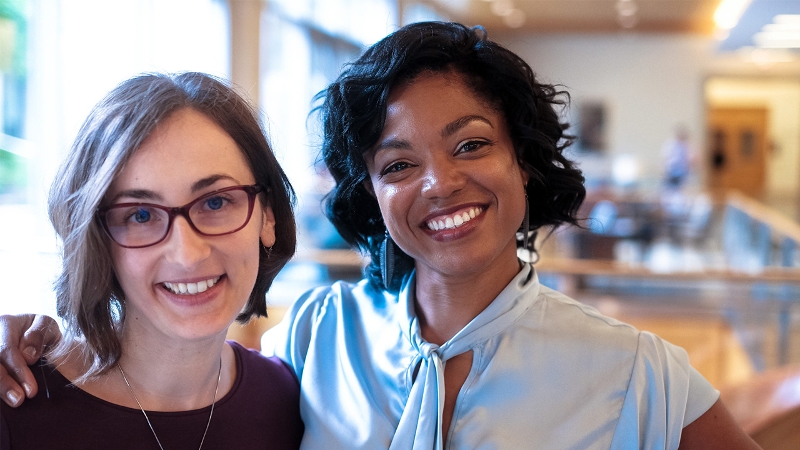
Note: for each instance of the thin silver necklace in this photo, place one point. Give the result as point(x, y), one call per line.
point(210, 415)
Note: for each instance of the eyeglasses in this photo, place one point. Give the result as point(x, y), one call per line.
point(137, 225)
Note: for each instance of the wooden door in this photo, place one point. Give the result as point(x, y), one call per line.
point(737, 148)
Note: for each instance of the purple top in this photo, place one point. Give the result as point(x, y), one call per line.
point(261, 411)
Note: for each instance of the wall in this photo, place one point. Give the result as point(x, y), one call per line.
point(650, 83)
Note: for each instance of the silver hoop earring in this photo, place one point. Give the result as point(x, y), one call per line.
point(526, 248)
point(387, 260)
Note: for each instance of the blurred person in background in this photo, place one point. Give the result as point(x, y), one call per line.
point(447, 157)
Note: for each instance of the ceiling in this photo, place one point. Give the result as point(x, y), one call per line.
point(592, 16)
point(586, 15)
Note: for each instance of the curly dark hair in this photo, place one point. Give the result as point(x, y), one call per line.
point(354, 112)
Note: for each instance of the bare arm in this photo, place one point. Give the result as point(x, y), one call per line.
point(716, 429)
point(22, 339)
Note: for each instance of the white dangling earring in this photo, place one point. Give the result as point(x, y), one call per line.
point(527, 251)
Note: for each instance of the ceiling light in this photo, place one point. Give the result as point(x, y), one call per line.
point(783, 23)
point(764, 57)
point(626, 7)
point(768, 39)
point(787, 19)
point(729, 12)
point(784, 32)
point(515, 19)
point(502, 8)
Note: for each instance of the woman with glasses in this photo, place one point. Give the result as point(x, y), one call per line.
point(447, 156)
point(174, 217)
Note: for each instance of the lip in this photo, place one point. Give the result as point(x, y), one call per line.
point(450, 211)
point(197, 299)
point(449, 234)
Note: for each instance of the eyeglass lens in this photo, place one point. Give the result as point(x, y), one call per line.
point(214, 214)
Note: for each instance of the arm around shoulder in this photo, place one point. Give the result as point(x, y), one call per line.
point(22, 340)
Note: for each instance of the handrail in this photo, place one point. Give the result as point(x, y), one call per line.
point(758, 211)
point(588, 267)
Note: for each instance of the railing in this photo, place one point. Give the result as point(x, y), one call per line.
point(757, 260)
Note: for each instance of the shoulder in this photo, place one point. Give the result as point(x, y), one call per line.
point(571, 318)
point(664, 394)
point(255, 365)
point(605, 342)
point(327, 300)
point(563, 314)
point(264, 383)
point(325, 311)
point(58, 407)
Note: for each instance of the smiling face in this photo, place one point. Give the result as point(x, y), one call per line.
point(446, 177)
point(184, 158)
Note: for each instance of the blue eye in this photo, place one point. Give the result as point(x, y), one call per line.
point(141, 215)
point(214, 203)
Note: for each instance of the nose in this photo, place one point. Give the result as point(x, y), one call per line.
point(442, 178)
point(184, 245)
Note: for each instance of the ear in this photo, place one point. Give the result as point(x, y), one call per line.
point(367, 183)
point(268, 228)
point(525, 176)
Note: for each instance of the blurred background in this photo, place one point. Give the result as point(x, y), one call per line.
point(686, 115)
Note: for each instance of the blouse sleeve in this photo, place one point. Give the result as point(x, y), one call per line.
point(290, 339)
point(665, 393)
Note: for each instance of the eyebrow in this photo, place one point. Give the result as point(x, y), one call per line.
point(447, 131)
point(146, 194)
point(460, 123)
point(391, 143)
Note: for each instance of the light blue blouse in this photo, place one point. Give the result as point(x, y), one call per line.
point(547, 373)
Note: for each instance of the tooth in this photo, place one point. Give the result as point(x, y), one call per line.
point(211, 282)
point(457, 221)
point(448, 223)
point(202, 286)
point(440, 225)
point(182, 288)
point(465, 217)
point(192, 287)
point(472, 213)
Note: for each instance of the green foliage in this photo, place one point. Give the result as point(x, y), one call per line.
point(14, 10)
point(13, 171)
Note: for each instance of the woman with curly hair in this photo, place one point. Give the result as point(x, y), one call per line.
point(447, 154)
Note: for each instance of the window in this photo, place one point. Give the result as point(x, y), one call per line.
point(57, 59)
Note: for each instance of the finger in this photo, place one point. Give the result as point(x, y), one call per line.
point(42, 333)
point(16, 380)
point(12, 393)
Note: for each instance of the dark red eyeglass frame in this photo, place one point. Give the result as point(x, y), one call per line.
point(175, 211)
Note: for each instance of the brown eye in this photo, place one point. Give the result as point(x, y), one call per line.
point(395, 167)
point(471, 146)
